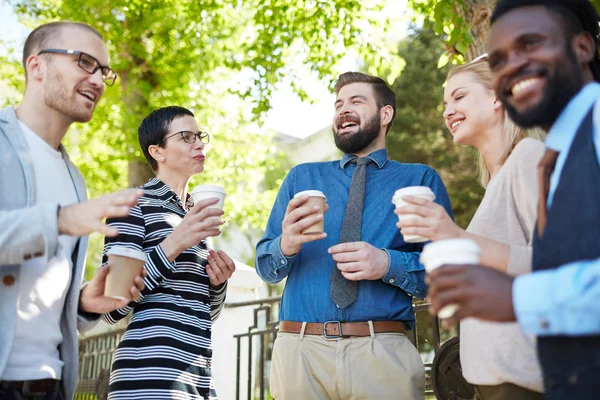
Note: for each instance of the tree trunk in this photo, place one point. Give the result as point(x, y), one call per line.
point(137, 103)
point(477, 13)
point(139, 172)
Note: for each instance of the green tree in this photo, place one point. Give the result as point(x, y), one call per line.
point(464, 24)
point(419, 133)
point(221, 59)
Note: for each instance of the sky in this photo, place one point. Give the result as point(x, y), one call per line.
point(289, 114)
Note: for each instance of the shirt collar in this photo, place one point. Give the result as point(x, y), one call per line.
point(563, 130)
point(163, 192)
point(379, 157)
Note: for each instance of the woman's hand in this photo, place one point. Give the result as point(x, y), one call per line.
point(220, 267)
point(434, 224)
point(201, 222)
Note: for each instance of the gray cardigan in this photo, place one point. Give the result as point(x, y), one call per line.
point(29, 230)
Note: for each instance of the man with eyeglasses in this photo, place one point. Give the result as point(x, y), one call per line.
point(45, 217)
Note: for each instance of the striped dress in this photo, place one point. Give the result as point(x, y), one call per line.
point(166, 351)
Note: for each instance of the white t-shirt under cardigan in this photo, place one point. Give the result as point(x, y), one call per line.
point(44, 281)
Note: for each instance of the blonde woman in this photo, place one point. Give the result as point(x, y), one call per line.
point(497, 358)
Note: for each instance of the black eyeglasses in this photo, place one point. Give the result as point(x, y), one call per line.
point(190, 137)
point(87, 63)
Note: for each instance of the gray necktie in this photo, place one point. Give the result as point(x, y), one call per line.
point(343, 291)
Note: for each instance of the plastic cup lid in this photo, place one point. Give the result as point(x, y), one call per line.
point(448, 246)
point(209, 188)
point(127, 252)
point(311, 193)
point(413, 191)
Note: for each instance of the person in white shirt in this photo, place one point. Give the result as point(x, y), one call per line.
point(45, 217)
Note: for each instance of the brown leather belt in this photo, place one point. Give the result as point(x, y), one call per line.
point(39, 386)
point(336, 329)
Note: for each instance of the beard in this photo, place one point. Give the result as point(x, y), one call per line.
point(58, 98)
point(356, 142)
point(560, 88)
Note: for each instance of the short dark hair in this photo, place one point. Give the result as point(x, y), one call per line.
point(42, 37)
point(155, 126)
point(384, 95)
point(576, 16)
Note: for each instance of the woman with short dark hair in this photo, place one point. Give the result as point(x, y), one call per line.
point(166, 351)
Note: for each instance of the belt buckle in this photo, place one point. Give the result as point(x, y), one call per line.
point(332, 337)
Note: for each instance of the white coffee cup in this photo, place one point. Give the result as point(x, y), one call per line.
point(202, 192)
point(315, 198)
point(125, 264)
point(449, 251)
point(420, 191)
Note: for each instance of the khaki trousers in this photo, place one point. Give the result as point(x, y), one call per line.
point(383, 366)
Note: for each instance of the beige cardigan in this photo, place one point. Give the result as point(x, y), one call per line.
point(494, 353)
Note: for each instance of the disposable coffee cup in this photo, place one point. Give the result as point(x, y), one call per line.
point(202, 192)
point(315, 198)
point(449, 251)
point(125, 264)
point(420, 191)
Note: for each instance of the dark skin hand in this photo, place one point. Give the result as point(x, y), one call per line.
point(479, 292)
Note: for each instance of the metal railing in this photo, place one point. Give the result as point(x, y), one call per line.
point(96, 353)
point(264, 329)
point(95, 357)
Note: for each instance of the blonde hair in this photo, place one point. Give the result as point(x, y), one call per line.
point(511, 132)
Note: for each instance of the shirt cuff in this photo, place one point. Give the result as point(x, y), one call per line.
point(534, 312)
point(158, 267)
point(218, 291)
point(396, 273)
point(279, 260)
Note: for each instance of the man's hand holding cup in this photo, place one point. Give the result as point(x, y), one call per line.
point(303, 221)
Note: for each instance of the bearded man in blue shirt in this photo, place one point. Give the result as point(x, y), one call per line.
point(546, 67)
point(351, 346)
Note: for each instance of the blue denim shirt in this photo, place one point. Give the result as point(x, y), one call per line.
point(306, 294)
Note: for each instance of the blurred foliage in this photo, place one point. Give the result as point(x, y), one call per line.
point(220, 59)
point(419, 134)
point(464, 25)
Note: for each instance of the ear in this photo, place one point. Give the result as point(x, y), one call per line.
point(36, 67)
point(584, 47)
point(386, 113)
point(497, 103)
point(157, 153)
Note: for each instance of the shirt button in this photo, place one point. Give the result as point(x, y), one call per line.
point(392, 280)
point(8, 280)
point(544, 324)
point(573, 379)
point(283, 261)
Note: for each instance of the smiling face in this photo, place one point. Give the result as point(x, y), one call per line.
point(536, 70)
point(67, 88)
point(471, 108)
point(356, 121)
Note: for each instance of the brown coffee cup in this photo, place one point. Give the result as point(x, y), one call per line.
point(316, 198)
point(125, 264)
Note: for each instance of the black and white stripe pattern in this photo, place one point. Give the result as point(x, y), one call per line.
point(166, 351)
